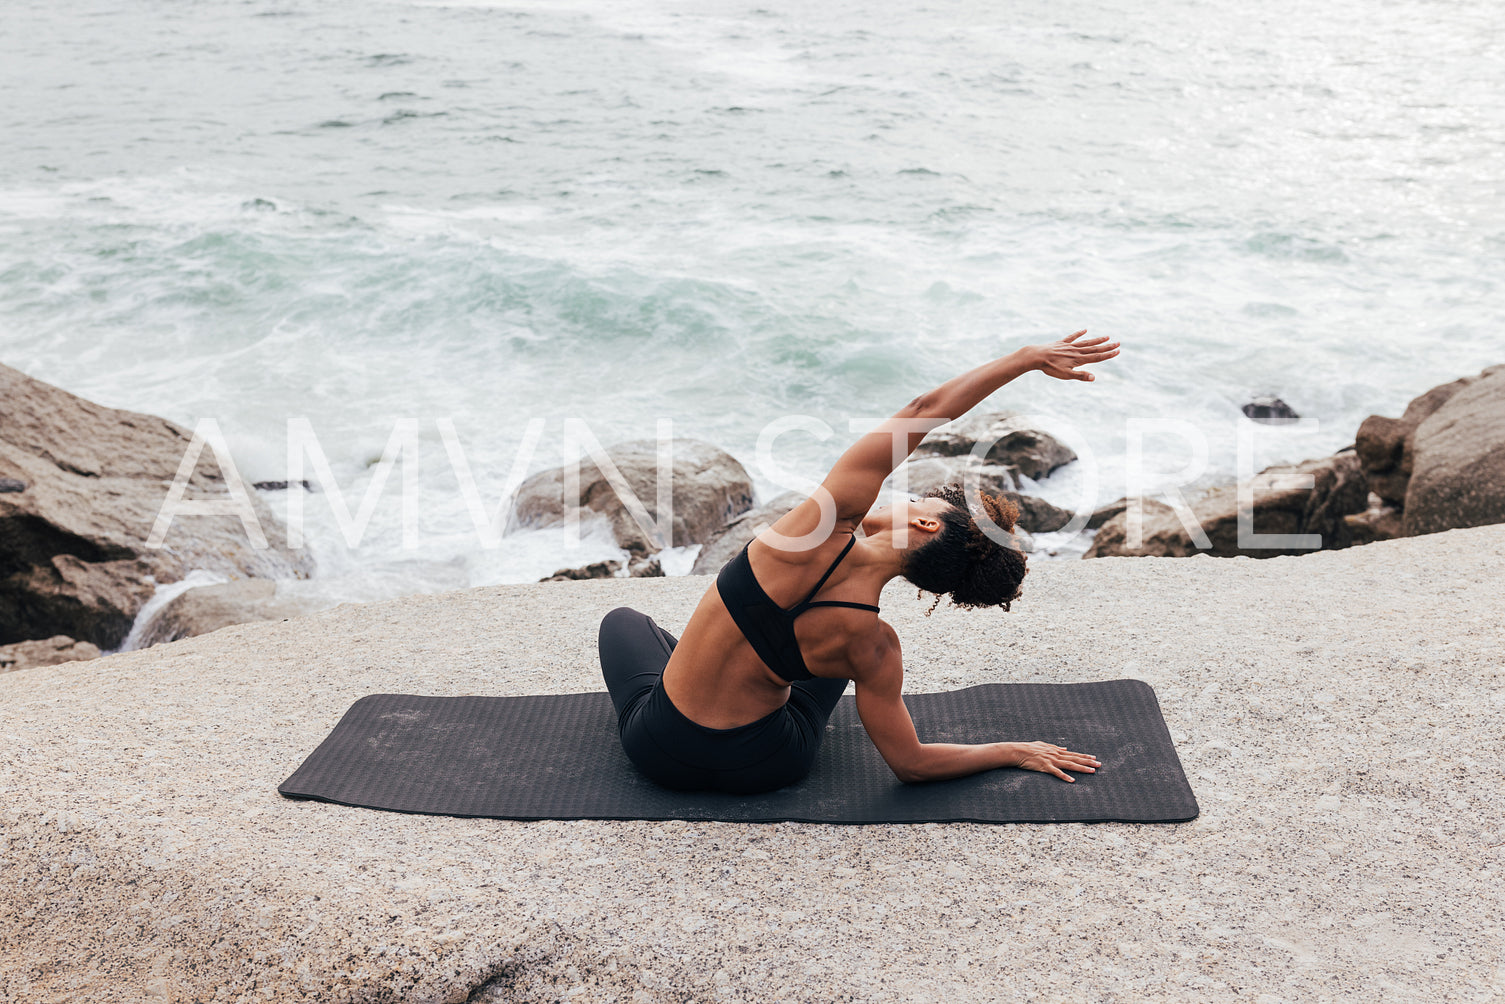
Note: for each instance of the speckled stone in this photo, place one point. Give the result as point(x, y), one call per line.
point(1338, 715)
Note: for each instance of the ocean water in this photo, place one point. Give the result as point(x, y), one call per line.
point(727, 214)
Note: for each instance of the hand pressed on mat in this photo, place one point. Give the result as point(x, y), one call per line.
point(1050, 759)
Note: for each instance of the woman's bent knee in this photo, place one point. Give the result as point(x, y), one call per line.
point(617, 620)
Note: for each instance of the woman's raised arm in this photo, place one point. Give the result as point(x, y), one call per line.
point(857, 477)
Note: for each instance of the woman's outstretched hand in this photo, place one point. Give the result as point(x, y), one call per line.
point(1050, 759)
point(1061, 359)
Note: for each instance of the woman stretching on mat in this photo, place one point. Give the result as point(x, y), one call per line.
point(739, 704)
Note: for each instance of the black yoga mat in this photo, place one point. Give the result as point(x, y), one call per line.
point(558, 757)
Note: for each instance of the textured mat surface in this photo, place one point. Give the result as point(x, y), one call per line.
point(558, 757)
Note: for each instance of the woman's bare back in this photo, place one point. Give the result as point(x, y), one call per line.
point(716, 679)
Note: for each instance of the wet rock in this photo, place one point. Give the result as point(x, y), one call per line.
point(1281, 506)
point(595, 570)
point(1381, 521)
point(208, 608)
point(709, 488)
point(1457, 460)
point(92, 596)
point(12, 485)
point(1162, 533)
point(1039, 516)
point(1384, 444)
point(929, 473)
point(1035, 514)
point(1008, 442)
point(645, 568)
point(1103, 513)
point(1270, 410)
point(726, 542)
point(73, 554)
point(45, 652)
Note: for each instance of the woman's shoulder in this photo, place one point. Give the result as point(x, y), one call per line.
point(806, 531)
point(872, 659)
point(771, 546)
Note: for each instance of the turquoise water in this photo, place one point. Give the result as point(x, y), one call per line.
point(723, 214)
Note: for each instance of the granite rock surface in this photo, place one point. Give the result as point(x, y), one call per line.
point(45, 652)
point(1458, 468)
point(1000, 438)
point(1386, 446)
point(1337, 714)
point(708, 487)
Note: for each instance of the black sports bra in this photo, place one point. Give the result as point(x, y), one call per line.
point(769, 628)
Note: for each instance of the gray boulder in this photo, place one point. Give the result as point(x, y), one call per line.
point(1458, 460)
point(1035, 514)
point(1103, 513)
point(607, 569)
point(637, 568)
point(1032, 452)
point(927, 473)
point(208, 608)
point(73, 554)
point(723, 545)
point(645, 568)
point(45, 652)
point(1279, 507)
point(1270, 409)
point(1162, 534)
point(709, 488)
point(1385, 445)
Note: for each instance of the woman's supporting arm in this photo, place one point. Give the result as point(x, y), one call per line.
point(879, 676)
point(960, 759)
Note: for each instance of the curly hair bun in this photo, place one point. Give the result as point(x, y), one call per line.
point(1004, 512)
point(966, 560)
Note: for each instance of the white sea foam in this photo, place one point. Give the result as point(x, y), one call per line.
point(625, 212)
point(164, 594)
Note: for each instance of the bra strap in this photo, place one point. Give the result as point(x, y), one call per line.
point(811, 595)
point(839, 603)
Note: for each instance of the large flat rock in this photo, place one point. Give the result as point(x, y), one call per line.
point(1337, 713)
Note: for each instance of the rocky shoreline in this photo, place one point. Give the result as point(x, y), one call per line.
point(1440, 466)
point(83, 487)
point(80, 485)
point(1318, 704)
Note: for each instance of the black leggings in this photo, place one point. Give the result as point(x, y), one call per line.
point(776, 750)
